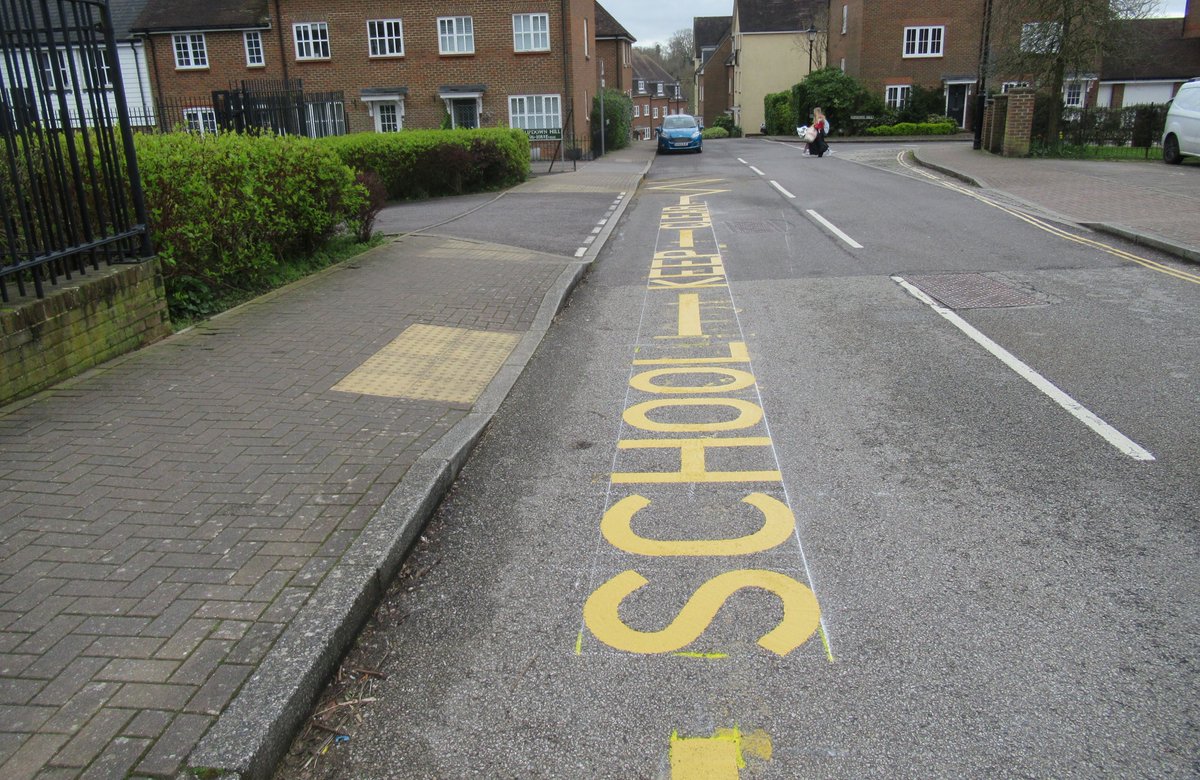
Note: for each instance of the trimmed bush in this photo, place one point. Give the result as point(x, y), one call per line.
point(842, 97)
point(714, 132)
point(618, 120)
point(947, 127)
point(424, 163)
point(725, 122)
point(780, 113)
point(228, 211)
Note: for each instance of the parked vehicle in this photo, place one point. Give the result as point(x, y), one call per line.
point(680, 133)
point(1181, 135)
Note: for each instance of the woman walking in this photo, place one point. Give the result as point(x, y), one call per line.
point(818, 146)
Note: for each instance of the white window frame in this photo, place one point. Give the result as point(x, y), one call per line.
point(385, 38)
point(641, 85)
point(535, 112)
point(531, 32)
point(312, 41)
point(255, 56)
point(655, 110)
point(925, 41)
point(896, 95)
point(456, 35)
point(194, 50)
point(201, 119)
point(637, 111)
point(326, 118)
point(96, 62)
point(1081, 91)
point(659, 89)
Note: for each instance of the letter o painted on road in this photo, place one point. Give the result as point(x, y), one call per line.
point(739, 380)
point(749, 414)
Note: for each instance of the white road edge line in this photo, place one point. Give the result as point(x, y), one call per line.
point(581, 251)
point(775, 184)
point(834, 229)
point(1110, 434)
point(756, 170)
point(743, 162)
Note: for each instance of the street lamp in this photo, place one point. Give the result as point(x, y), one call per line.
point(811, 32)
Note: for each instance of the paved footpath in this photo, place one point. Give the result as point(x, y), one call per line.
point(1148, 202)
point(190, 535)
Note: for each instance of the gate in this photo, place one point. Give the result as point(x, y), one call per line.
point(70, 191)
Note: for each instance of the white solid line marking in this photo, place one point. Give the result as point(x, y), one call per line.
point(1078, 410)
point(756, 170)
point(743, 162)
point(581, 251)
point(833, 228)
point(775, 184)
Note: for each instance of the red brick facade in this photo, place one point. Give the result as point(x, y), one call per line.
point(567, 69)
point(713, 94)
point(892, 43)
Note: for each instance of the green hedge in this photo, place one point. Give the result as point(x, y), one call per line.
point(780, 113)
point(229, 211)
point(714, 132)
point(424, 163)
point(915, 128)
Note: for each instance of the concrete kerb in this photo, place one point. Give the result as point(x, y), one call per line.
point(255, 731)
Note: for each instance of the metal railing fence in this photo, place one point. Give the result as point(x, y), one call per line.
point(70, 190)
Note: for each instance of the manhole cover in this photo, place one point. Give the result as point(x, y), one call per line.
point(973, 291)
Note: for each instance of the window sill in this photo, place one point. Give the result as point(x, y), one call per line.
point(386, 56)
point(531, 51)
point(456, 53)
point(191, 67)
point(313, 59)
point(921, 56)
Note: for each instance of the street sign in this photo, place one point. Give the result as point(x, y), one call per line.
point(545, 134)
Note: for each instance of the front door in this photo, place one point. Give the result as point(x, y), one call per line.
point(956, 102)
point(466, 113)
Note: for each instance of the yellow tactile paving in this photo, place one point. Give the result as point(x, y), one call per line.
point(433, 363)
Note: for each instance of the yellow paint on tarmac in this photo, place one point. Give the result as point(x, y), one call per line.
point(778, 526)
point(689, 315)
point(433, 363)
point(718, 757)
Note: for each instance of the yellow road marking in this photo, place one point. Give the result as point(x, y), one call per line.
point(685, 239)
point(689, 313)
point(718, 757)
point(778, 526)
point(1059, 232)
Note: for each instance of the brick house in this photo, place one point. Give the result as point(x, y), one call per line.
point(656, 94)
point(614, 47)
point(415, 64)
point(892, 45)
point(1152, 71)
point(713, 40)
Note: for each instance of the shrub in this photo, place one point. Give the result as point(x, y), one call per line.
point(714, 132)
point(945, 127)
point(424, 163)
point(618, 119)
point(725, 122)
point(363, 220)
point(780, 113)
point(228, 211)
point(841, 97)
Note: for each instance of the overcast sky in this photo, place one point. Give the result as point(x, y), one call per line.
point(654, 22)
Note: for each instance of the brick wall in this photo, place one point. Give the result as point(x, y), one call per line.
point(716, 84)
point(874, 42)
point(644, 123)
point(422, 69)
point(1018, 123)
point(79, 325)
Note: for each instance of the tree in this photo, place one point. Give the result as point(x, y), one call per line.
point(1046, 42)
point(676, 59)
point(618, 122)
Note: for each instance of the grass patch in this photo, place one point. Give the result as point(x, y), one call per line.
point(338, 250)
point(1089, 152)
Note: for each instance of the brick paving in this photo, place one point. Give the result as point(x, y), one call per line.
point(1148, 197)
point(165, 516)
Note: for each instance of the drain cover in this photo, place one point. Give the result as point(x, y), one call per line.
point(973, 291)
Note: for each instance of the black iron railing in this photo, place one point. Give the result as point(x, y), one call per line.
point(70, 191)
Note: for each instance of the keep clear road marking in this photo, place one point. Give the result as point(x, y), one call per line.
point(696, 510)
point(1110, 434)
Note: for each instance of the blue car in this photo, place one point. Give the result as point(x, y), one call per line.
point(680, 133)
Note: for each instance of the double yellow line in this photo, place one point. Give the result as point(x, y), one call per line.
point(1052, 230)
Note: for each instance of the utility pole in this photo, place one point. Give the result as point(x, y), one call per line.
point(603, 127)
point(981, 94)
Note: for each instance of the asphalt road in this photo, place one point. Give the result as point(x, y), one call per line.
point(913, 500)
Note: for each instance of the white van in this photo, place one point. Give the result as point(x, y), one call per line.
point(1181, 136)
